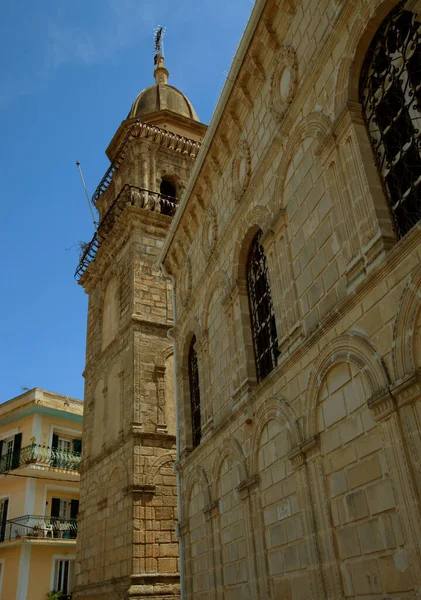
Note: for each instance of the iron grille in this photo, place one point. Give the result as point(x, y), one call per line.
point(194, 394)
point(390, 92)
point(265, 338)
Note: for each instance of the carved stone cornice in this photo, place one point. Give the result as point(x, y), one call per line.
point(183, 527)
point(211, 510)
point(298, 454)
point(382, 404)
point(247, 486)
point(407, 390)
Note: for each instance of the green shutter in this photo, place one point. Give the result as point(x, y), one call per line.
point(77, 446)
point(55, 441)
point(74, 508)
point(17, 444)
point(55, 507)
point(4, 520)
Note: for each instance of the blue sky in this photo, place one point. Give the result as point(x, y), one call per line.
point(69, 72)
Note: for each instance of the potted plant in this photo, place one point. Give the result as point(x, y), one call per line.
point(58, 596)
point(32, 458)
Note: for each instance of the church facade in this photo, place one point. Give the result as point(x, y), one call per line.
point(127, 545)
point(295, 262)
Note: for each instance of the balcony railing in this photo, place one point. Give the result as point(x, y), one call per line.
point(42, 456)
point(129, 195)
point(33, 526)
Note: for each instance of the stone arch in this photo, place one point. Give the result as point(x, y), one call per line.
point(316, 126)
point(277, 408)
point(258, 218)
point(352, 348)
point(199, 476)
point(229, 447)
point(365, 27)
point(191, 328)
point(219, 278)
point(404, 328)
point(157, 464)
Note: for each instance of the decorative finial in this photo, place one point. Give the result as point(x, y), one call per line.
point(160, 73)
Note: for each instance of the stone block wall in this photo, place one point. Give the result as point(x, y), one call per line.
point(304, 485)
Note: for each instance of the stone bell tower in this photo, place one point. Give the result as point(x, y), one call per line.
point(127, 546)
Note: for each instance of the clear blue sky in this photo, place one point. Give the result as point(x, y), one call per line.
point(69, 72)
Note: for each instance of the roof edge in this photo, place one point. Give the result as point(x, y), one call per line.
point(216, 117)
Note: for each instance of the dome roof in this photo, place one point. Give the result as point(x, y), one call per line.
point(162, 96)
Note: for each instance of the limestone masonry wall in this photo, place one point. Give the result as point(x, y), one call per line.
point(307, 484)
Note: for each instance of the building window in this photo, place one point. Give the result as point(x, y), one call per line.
point(10, 452)
point(194, 394)
point(63, 573)
point(263, 325)
point(390, 93)
point(168, 190)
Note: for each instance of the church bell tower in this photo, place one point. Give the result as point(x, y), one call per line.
point(127, 545)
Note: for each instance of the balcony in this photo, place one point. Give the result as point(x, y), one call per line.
point(41, 458)
point(39, 529)
point(129, 196)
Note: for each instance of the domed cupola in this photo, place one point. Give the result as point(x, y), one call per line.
point(163, 106)
point(161, 97)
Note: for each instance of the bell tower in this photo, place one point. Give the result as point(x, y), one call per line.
point(127, 545)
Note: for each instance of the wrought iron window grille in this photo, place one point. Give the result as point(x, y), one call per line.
point(390, 93)
point(194, 394)
point(262, 314)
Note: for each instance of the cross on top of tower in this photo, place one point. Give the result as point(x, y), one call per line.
point(160, 73)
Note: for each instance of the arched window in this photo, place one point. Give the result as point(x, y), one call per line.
point(390, 92)
point(194, 394)
point(168, 190)
point(262, 315)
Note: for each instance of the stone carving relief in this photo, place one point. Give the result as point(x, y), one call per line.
point(209, 232)
point(241, 169)
point(185, 283)
point(284, 82)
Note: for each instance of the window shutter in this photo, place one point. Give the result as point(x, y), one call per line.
point(55, 507)
point(17, 444)
point(55, 441)
point(3, 522)
point(74, 508)
point(77, 446)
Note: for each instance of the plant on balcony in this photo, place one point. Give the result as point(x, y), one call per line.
point(58, 596)
point(31, 457)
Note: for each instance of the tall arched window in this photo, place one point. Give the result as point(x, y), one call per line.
point(194, 394)
point(390, 92)
point(262, 315)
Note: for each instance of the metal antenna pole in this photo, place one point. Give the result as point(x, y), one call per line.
point(86, 193)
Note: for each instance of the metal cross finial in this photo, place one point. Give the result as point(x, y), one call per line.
point(159, 43)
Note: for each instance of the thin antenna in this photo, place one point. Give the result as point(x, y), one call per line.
point(159, 42)
point(86, 193)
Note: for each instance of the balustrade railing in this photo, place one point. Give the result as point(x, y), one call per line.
point(129, 195)
point(35, 526)
point(44, 456)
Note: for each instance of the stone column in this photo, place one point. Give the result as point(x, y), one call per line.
point(244, 490)
point(245, 351)
point(297, 457)
point(402, 477)
point(211, 512)
point(252, 487)
point(323, 526)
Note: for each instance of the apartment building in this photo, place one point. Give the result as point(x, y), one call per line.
point(40, 450)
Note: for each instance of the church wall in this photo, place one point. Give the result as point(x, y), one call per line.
point(305, 485)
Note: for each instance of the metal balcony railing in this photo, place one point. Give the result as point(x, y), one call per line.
point(129, 195)
point(43, 456)
point(34, 526)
